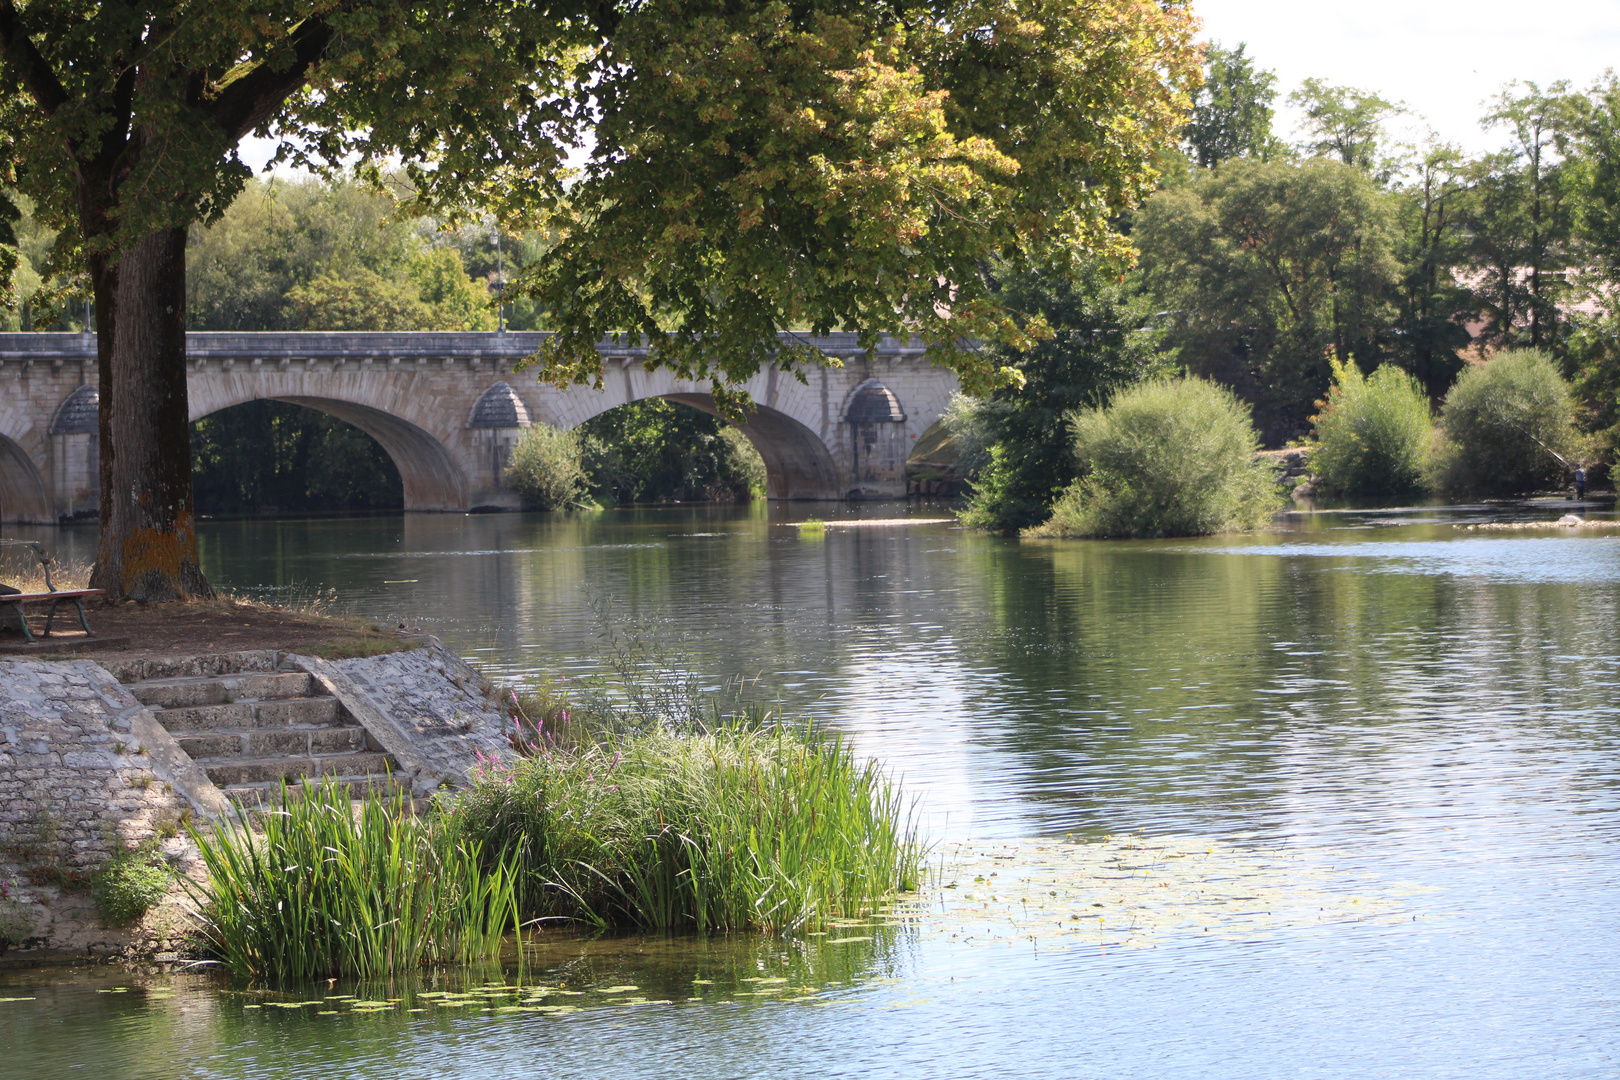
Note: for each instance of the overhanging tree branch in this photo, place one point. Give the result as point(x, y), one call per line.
point(250, 100)
point(28, 63)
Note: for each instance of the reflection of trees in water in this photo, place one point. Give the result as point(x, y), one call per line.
point(1143, 678)
point(1103, 684)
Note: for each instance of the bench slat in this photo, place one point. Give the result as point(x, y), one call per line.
point(65, 594)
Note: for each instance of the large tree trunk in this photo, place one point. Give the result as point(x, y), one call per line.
point(148, 549)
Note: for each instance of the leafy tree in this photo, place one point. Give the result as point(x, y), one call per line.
point(1346, 124)
point(1373, 433)
point(547, 468)
point(655, 451)
point(1432, 305)
point(1272, 268)
point(272, 456)
point(753, 166)
point(1169, 457)
point(1508, 427)
point(1592, 349)
point(1105, 336)
point(361, 300)
point(1520, 216)
point(1232, 113)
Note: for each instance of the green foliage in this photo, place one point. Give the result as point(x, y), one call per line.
point(129, 884)
point(656, 450)
point(818, 167)
point(1508, 428)
point(272, 456)
point(1015, 444)
point(324, 890)
point(1521, 213)
point(1270, 266)
point(16, 923)
point(1232, 113)
point(1170, 457)
point(1432, 306)
point(1593, 353)
point(752, 165)
point(547, 468)
point(1346, 124)
point(316, 256)
point(1373, 434)
point(734, 828)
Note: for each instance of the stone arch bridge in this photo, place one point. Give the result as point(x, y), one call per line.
point(448, 408)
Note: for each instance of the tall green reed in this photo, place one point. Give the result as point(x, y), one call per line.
point(737, 826)
point(326, 886)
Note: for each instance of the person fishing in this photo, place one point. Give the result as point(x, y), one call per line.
point(1580, 483)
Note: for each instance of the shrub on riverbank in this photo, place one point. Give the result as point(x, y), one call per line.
point(1169, 457)
point(1508, 427)
point(327, 890)
point(547, 468)
point(728, 829)
point(129, 884)
point(1373, 433)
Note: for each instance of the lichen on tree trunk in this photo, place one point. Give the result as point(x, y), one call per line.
point(148, 549)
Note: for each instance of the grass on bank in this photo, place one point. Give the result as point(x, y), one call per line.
point(327, 888)
point(730, 825)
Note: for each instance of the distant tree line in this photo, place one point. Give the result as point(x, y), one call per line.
point(1265, 266)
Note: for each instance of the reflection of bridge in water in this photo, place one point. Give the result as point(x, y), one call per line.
point(447, 408)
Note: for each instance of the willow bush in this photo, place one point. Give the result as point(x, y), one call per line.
point(324, 889)
point(547, 468)
point(1168, 457)
point(1507, 428)
point(1373, 434)
point(733, 828)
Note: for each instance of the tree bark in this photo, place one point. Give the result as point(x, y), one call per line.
point(148, 549)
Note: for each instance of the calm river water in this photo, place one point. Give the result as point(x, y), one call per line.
point(1418, 717)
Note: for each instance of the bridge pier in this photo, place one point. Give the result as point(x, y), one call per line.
point(448, 407)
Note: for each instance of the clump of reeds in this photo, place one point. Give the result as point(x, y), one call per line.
point(738, 827)
point(323, 887)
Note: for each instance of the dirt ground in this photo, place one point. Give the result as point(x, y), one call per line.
point(190, 629)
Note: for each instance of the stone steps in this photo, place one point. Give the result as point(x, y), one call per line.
point(253, 731)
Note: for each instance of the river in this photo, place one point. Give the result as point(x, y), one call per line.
point(1391, 719)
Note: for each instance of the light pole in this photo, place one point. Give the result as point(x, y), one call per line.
point(500, 283)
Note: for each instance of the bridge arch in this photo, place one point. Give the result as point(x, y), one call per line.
point(797, 462)
point(23, 496)
point(431, 478)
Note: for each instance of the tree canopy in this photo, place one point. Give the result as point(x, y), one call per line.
point(751, 167)
point(1232, 113)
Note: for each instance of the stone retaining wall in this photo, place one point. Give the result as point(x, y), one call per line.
point(85, 769)
point(79, 778)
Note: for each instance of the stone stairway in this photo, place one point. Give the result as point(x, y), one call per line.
point(251, 730)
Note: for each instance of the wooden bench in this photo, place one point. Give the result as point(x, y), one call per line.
point(53, 596)
point(61, 596)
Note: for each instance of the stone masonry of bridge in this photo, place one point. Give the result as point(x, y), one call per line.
point(448, 407)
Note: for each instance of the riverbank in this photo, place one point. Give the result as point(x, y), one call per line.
point(129, 631)
point(111, 746)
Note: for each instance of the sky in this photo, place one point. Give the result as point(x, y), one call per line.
point(1441, 57)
